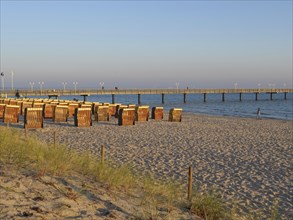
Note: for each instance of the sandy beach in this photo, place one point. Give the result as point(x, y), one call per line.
point(247, 161)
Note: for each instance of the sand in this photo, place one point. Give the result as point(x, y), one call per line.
point(25, 196)
point(247, 161)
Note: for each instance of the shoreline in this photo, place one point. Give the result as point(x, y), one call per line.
point(234, 116)
point(246, 160)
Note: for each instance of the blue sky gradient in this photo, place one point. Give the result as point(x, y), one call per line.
point(147, 44)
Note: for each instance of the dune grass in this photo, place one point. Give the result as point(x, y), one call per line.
point(44, 159)
point(59, 160)
point(208, 206)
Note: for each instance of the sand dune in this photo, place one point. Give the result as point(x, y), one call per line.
point(247, 161)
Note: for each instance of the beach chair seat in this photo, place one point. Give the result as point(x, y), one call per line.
point(26, 105)
point(71, 108)
point(157, 113)
point(6, 101)
point(118, 107)
point(49, 111)
point(33, 118)
point(175, 115)
point(19, 103)
point(2, 108)
point(142, 113)
point(112, 109)
point(38, 105)
point(60, 113)
point(126, 116)
point(88, 105)
point(102, 113)
point(95, 107)
point(11, 114)
point(13, 102)
point(83, 117)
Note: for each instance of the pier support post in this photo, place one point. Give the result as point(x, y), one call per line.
point(53, 96)
point(138, 99)
point(240, 96)
point(271, 96)
point(184, 97)
point(285, 95)
point(84, 97)
point(256, 96)
point(223, 97)
point(113, 98)
point(163, 98)
point(204, 97)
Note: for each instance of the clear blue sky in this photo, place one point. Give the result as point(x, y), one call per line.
point(133, 44)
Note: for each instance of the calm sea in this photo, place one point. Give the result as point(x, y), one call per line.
point(278, 108)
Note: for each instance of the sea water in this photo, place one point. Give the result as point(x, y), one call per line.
point(278, 108)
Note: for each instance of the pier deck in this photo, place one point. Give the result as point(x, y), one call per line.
point(162, 92)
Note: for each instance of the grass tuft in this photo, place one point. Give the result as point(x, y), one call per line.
point(208, 206)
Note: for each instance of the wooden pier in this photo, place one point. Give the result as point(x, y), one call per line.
point(52, 93)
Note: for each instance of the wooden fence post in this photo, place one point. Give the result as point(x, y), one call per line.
point(54, 138)
point(102, 154)
point(189, 183)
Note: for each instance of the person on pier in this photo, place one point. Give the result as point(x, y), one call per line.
point(17, 95)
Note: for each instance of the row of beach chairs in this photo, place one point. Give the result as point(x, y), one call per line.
point(35, 111)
